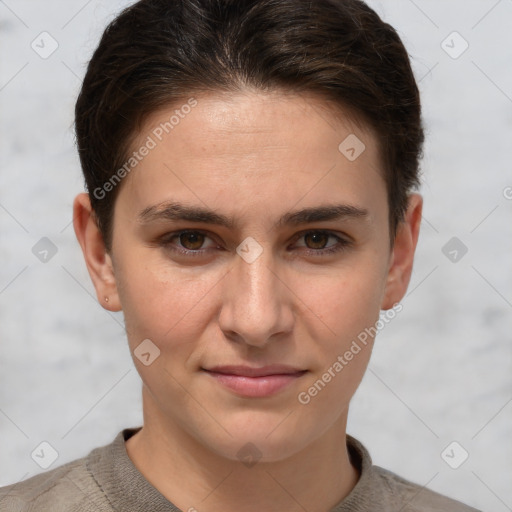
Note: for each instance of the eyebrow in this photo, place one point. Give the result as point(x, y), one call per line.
point(174, 211)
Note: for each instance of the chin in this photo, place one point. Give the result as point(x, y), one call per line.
point(252, 449)
point(261, 437)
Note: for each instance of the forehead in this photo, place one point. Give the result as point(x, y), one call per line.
point(254, 148)
point(291, 116)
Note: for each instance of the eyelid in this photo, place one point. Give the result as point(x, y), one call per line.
point(339, 236)
point(166, 239)
point(343, 243)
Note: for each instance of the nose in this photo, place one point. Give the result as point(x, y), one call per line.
point(257, 305)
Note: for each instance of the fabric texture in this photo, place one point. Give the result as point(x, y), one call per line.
point(106, 480)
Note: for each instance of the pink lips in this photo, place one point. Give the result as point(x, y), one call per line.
point(255, 382)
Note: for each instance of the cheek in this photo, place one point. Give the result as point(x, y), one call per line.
point(163, 304)
point(345, 301)
point(344, 310)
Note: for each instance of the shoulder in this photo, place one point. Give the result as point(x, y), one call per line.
point(67, 488)
point(381, 489)
point(416, 498)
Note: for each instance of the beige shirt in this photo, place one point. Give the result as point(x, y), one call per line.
point(106, 480)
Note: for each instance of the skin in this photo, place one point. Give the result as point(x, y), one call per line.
point(253, 157)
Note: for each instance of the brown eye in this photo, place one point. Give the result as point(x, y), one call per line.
point(320, 243)
point(192, 240)
point(316, 240)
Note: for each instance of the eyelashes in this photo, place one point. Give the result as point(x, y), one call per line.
point(177, 243)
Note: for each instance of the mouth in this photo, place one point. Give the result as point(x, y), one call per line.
point(253, 382)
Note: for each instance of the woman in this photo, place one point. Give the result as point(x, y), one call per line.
point(250, 168)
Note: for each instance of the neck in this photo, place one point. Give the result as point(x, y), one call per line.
point(315, 478)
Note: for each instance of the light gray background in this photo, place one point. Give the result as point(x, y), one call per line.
point(440, 371)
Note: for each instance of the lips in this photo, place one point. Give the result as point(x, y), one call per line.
point(248, 371)
point(251, 382)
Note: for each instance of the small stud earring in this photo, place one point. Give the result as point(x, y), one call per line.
point(106, 299)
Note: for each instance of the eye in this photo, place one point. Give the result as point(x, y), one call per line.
point(189, 242)
point(192, 243)
point(317, 242)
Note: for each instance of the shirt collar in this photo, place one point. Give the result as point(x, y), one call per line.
point(127, 489)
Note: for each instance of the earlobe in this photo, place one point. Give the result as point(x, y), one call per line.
point(98, 261)
point(402, 257)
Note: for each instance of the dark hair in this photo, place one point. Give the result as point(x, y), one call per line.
point(157, 53)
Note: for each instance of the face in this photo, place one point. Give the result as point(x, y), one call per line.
point(252, 252)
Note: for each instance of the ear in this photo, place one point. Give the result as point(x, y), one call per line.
point(402, 257)
point(98, 261)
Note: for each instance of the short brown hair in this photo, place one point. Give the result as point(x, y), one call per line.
point(157, 53)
